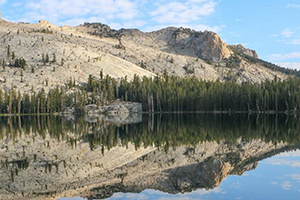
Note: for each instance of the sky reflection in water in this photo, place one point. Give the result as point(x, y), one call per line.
point(274, 178)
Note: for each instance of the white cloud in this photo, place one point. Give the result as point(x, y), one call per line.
point(291, 163)
point(2, 2)
point(205, 192)
point(59, 12)
point(286, 185)
point(176, 198)
point(296, 177)
point(294, 41)
point(235, 34)
point(182, 12)
point(287, 33)
point(16, 4)
point(290, 65)
point(203, 27)
point(290, 154)
point(196, 1)
point(130, 196)
point(281, 57)
point(73, 198)
point(197, 194)
point(293, 6)
point(142, 14)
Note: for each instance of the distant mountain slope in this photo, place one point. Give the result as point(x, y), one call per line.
point(54, 55)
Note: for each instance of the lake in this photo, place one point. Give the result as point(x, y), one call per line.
point(163, 156)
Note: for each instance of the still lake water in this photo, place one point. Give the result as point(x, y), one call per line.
point(191, 156)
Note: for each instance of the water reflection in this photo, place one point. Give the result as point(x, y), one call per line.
point(52, 156)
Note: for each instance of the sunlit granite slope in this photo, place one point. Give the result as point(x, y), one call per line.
point(54, 55)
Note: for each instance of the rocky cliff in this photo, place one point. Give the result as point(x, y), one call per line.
point(54, 55)
point(242, 50)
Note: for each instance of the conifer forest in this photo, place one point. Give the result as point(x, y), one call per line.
point(159, 94)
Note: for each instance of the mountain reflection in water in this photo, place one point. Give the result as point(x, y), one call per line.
point(47, 157)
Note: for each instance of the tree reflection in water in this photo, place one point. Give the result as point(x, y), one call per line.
point(50, 155)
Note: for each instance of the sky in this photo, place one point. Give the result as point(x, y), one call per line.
point(271, 27)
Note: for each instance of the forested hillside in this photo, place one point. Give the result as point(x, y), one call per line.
point(47, 69)
point(44, 55)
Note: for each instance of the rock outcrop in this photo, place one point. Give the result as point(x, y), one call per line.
point(100, 29)
point(212, 47)
point(117, 108)
point(242, 50)
point(205, 45)
point(117, 113)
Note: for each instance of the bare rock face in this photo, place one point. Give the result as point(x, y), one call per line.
point(205, 45)
point(114, 109)
point(213, 48)
point(100, 29)
point(117, 113)
point(241, 49)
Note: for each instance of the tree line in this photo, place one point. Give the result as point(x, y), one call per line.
point(172, 93)
point(160, 94)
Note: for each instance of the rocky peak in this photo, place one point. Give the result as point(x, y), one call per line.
point(130, 32)
point(241, 49)
point(212, 47)
point(47, 24)
point(100, 29)
point(205, 45)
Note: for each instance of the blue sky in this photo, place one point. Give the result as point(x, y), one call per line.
point(271, 27)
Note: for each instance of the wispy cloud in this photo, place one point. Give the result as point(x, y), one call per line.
point(296, 177)
point(140, 14)
point(290, 154)
point(290, 65)
point(282, 57)
point(235, 34)
point(287, 33)
point(176, 198)
point(203, 27)
point(293, 5)
point(288, 41)
point(291, 163)
point(286, 185)
point(2, 2)
point(16, 4)
point(182, 13)
point(60, 12)
point(294, 41)
point(129, 196)
point(154, 194)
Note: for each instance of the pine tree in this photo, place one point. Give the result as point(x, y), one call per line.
point(8, 52)
point(47, 58)
point(54, 58)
